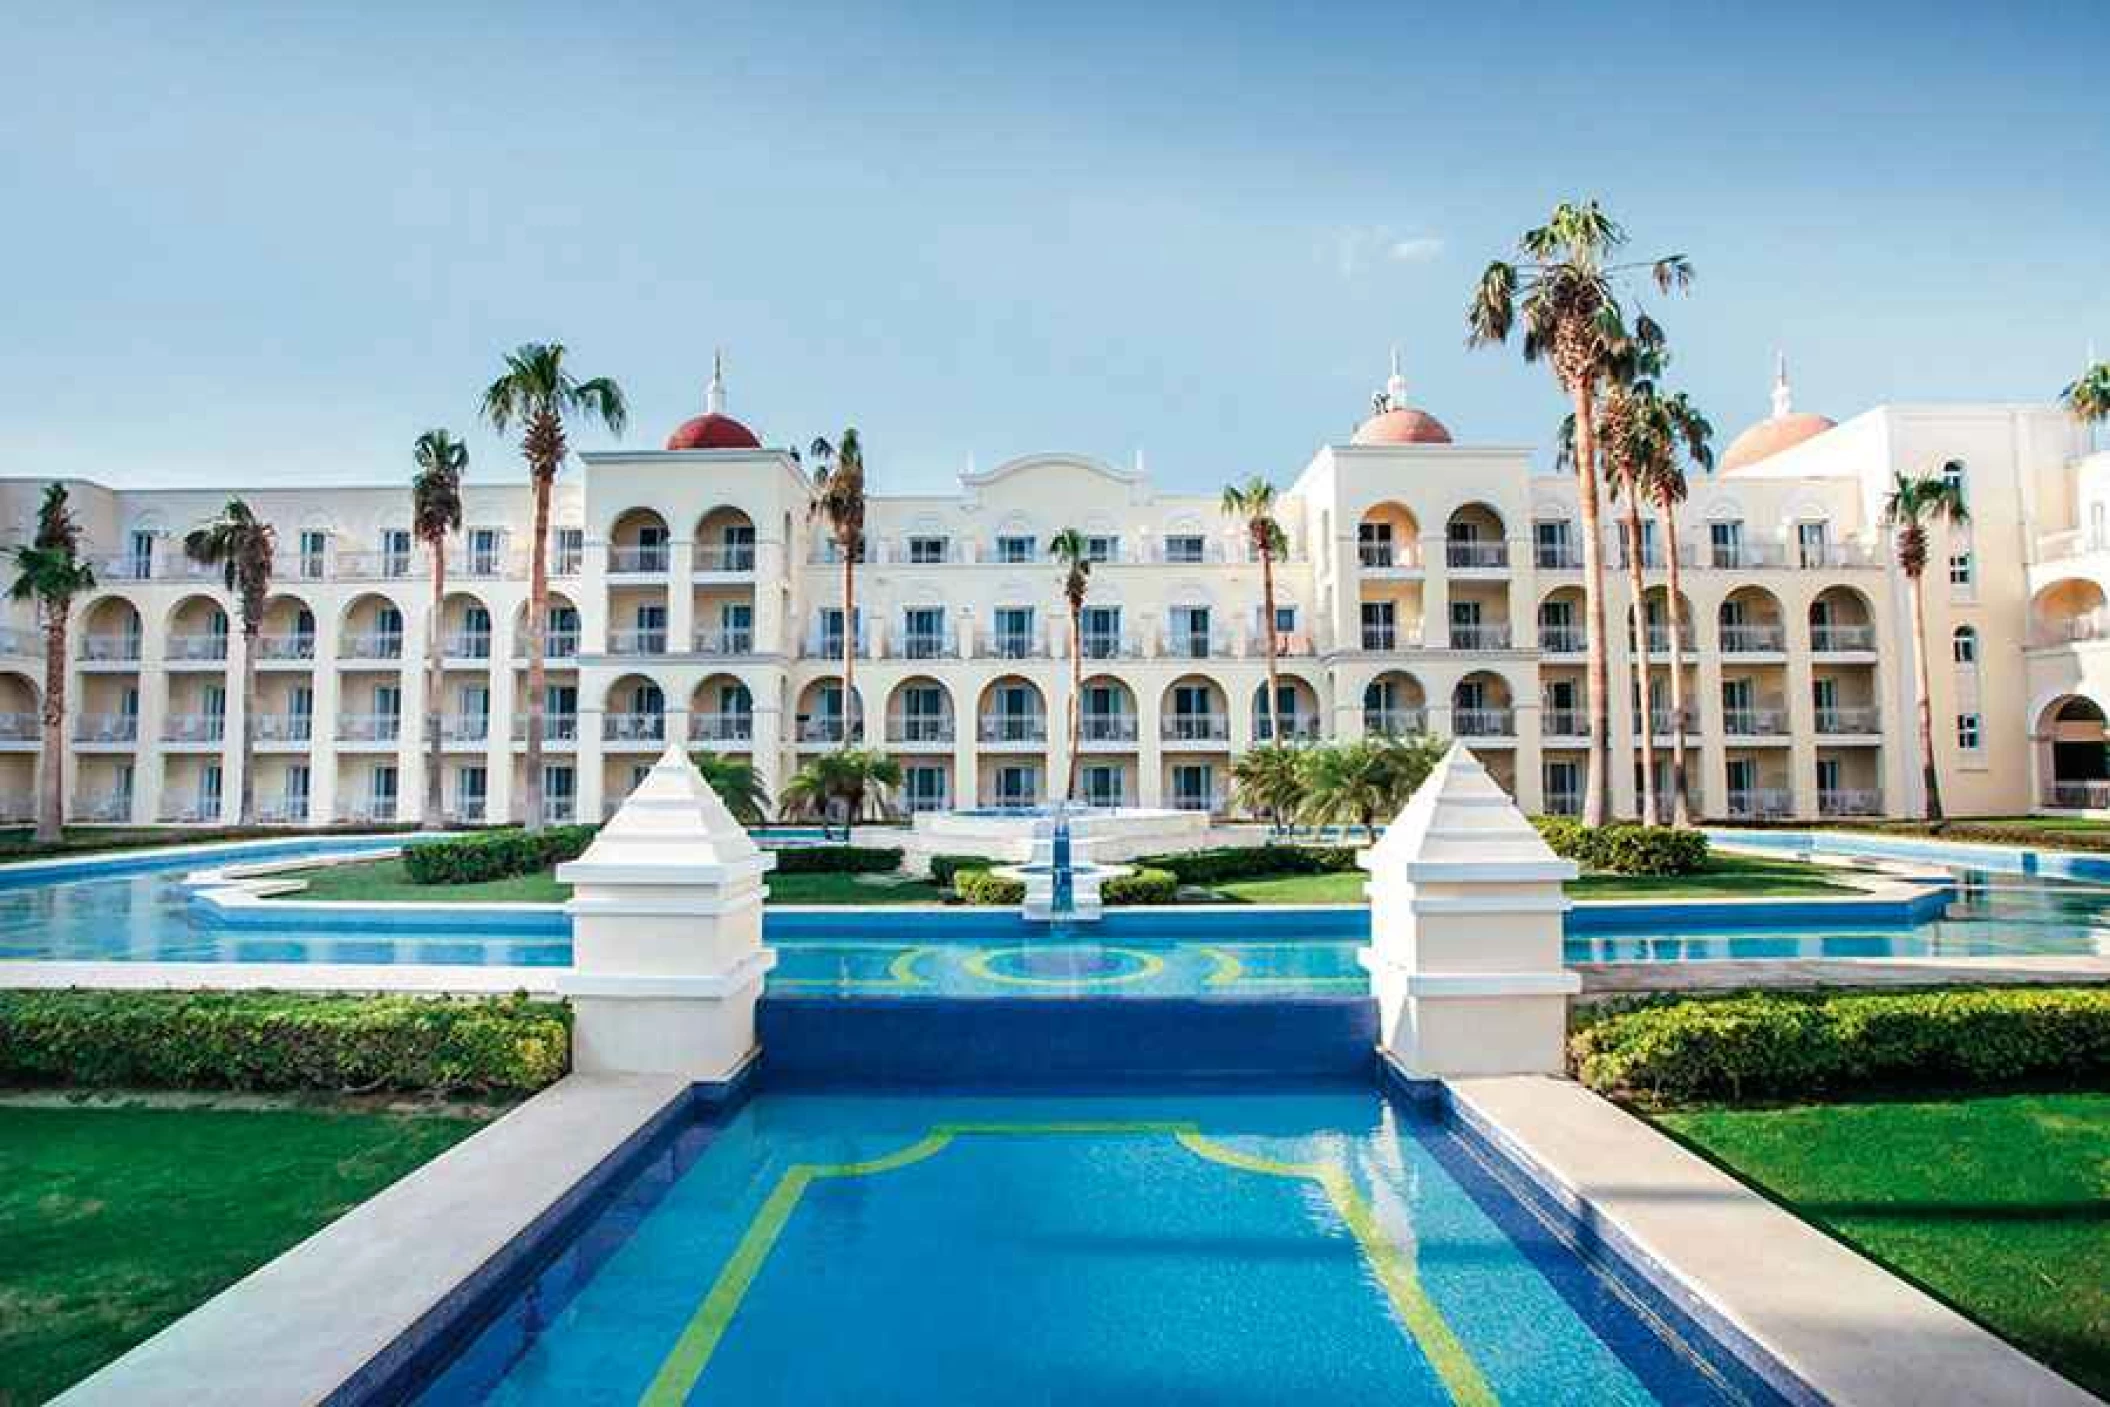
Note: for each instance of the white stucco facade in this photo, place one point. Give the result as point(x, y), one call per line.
point(1430, 584)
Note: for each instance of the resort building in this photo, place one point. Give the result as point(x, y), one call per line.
point(1430, 585)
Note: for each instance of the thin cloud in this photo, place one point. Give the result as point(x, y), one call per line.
point(1416, 249)
point(1355, 249)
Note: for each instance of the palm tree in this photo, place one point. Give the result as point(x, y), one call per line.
point(1069, 549)
point(1566, 290)
point(844, 782)
point(1359, 782)
point(1665, 427)
point(737, 786)
point(1911, 506)
point(435, 511)
point(51, 572)
point(1269, 781)
point(2087, 399)
point(839, 500)
point(535, 392)
point(1253, 503)
point(241, 545)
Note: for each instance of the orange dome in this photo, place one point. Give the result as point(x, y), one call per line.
point(1401, 427)
point(712, 431)
point(1772, 435)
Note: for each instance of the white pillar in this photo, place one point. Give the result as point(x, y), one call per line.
point(1465, 932)
point(667, 955)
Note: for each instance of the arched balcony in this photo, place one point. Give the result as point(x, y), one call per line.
point(1842, 622)
point(1295, 717)
point(560, 632)
point(373, 631)
point(1195, 713)
point(1013, 711)
point(287, 636)
point(1394, 706)
point(722, 713)
point(464, 627)
point(823, 717)
point(110, 633)
point(634, 714)
point(1388, 538)
point(1474, 539)
point(920, 714)
point(638, 544)
point(2072, 739)
point(1482, 707)
point(1107, 720)
point(197, 633)
point(1750, 623)
point(725, 542)
point(2068, 612)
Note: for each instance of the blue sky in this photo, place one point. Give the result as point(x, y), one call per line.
point(272, 243)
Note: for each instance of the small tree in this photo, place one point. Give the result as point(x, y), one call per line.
point(1913, 504)
point(1252, 503)
point(846, 782)
point(737, 786)
point(436, 511)
point(51, 572)
point(2087, 398)
point(242, 546)
point(1068, 548)
point(1269, 781)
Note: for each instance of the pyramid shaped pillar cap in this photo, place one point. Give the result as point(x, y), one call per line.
point(1460, 827)
point(671, 829)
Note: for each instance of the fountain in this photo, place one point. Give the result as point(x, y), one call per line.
point(1061, 889)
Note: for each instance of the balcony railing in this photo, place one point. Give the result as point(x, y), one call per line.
point(1746, 556)
point(725, 642)
point(1483, 722)
point(721, 727)
point(466, 645)
point(1852, 720)
point(465, 728)
point(1107, 645)
point(285, 647)
point(1842, 639)
point(1564, 803)
point(1479, 637)
point(1561, 639)
point(369, 727)
point(1755, 722)
point(1386, 557)
point(1752, 639)
point(1850, 802)
point(366, 810)
point(722, 557)
point(190, 810)
point(1395, 722)
point(110, 806)
point(109, 649)
point(923, 645)
point(1476, 556)
point(1014, 728)
point(196, 647)
point(556, 644)
point(282, 810)
point(488, 564)
point(387, 645)
point(636, 560)
point(373, 566)
point(1015, 645)
point(566, 561)
point(1557, 556)
point(1195, 801)
point(1196, 645)
point(1662, 720)
point(106, 728)
point(1659, 639)
point(125, 566)
point(194, 728)
point(647, 640)
point(21, 643)
point(1564, 723)
point(556, 728)
point(2078, 796)
point(1196, 728)
point(1836, 554)
point(1760, 803)
point(906, 729)
point(467, 811)
point(20, 727)
point(827, 728)
point(284, 727)
point(1107, 728)
point(1295, 727)
point(634, 727)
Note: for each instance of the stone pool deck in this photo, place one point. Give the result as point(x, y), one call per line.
point(1853, 1333)
point(1727, 974)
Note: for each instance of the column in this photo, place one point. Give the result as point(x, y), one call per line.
point(1435, 594)
point(681, 598)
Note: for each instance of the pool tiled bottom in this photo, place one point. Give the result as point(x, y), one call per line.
point(1056, 968)
point(944, 1249)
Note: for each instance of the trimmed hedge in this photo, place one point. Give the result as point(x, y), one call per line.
point(281, 1041)
point(983, 887)
point(499, 854)
point(1143, 886)
point(1252, 862)
point(1624, 847)
point(945, 868)
point(1790, 1043)
point(837, 859)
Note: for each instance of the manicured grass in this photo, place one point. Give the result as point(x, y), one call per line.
point(1999, 1204)
point(851, 889)
point(384, 881)
point(118, 1220)
point(1726, 876)
point(18, 843)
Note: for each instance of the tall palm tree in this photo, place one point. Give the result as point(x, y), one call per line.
point(1913, 504)
point(436, 511)
point(1068, 548)
point(1253, 503)
point(241, 545)
point(2087, 398)
point(1269, 781)
point(536, 392)
point(1566, 290)
point(51, 572)
point(839, 501)
point(1664, 428)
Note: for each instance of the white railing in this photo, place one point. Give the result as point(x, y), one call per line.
point(1196, 645)
point(1015, 645)
point(285, 647)
point(111, 806)
point(1295, 727)
point(1395, 722)
point(1014, 728)
point(21, 643)
point(20, 727)
point(1662, 719)
point(1840, 639)
point(634, 727)
point(373, 566)
point(109, 649)
point(1564, 723)
point(125, 566)
point(1561, 639)
point(556, 728)
point(366, 810)
point(722, 557)
point(923, 645)
point(2091, 625)
point(191, 811)
point(1659, 638)
point(1483, 722)
point(1564, 803)
point(1187, 554)
point(1194, 801)
point(1765, 722)
point(904, 729)
point(1837, 554)
point(487, 565)
point(1387, 557)
point(1196, 728)
point(556, 644)
point(1850, 802)
point(465, 728)
point(637, 560)
point(1752, 639)
point(1760, 803)
point(466, 645)
point(1479, 637)
point(369, 727)
point(1107, 728)
point(106, 728)
point(284, 727)
point(467, 811)
point(1387, 639)
point(196, 647)
point(194, 728)
point(651, 640)
point(2078, 796)
point(1746, 556)
point(371, 645)
point(722, 727)
point(17, 806)
point(725, 642)
point(1109, 645)
point(282, 810)
point(1476, 556)
point(1857, 719)
point(825, 728)
point(1556, 556)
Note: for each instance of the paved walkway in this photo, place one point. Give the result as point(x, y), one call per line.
point(1857, 1335)
point(327, 1311)
point(2042, 969)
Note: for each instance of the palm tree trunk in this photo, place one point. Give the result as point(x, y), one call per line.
point(434, 752)
point(51, 799)
point(538, 644)
point(1638, 586)
point(1596, 803)
point(850, 711)
point(1924, 700)
point(1680, 787)
point(1076, 692)
point(252, 628)
point(1267, 634)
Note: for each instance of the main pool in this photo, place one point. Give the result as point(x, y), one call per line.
point(1249, 1248)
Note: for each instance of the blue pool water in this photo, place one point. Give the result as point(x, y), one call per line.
point(1252, 1248)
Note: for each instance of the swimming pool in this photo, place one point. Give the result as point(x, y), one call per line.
point(1256, 1247)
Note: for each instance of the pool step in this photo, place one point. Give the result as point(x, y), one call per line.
point(1023, 1040)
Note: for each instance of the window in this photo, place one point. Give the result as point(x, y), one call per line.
point(1014, 631)
point(1103, 547)
point(1551, 543)
point(1183, 547)
point(1102, 631)
point(927, 551)
point(925, 788)
point(395, 552)
point(1014, 549)
point(1961, 571)
point(923, 631)
point(1285, 621)
point(1373, 543)
point(1952, 474)
point(1101, 784)
point(1727, 540)
point(1193, 787)
point(483, 551)
point(2098, 526)
point(1812, 543)
point(1379, 629)
point(567, 546)
point(314, 552)
point(1967, 732)
point(1963, 645)
point(139, 554)
point(1188, 634)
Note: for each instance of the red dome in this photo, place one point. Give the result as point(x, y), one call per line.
point(713, 431)
point(1402, 427)
point(1772, 435)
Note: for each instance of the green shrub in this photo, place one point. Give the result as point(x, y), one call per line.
point(1143, 886)
point(837, 859)
point(1252, 862)
point(944, 868)
point(499, 854)
point(1623, 847)
point(1788, 1043)
point(987, 888)
point(281, 1041)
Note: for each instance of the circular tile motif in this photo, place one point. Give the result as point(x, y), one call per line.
point(1063, 965)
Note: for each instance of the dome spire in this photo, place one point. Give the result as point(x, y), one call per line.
point(1395, 384)
point(714, 395)
point(1783, 398)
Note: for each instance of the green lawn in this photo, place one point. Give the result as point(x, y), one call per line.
point(385, 881)
point(118, 1220)
point(19, 843)
point(1726, 876)
point(852, 889)
point(1999, 1204)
